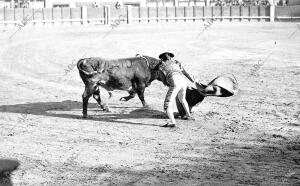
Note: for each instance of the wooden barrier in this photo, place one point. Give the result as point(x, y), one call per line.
point(106, 14)
point(52, 15)
point(287, 13)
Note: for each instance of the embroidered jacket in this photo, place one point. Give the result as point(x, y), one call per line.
point(170, 67)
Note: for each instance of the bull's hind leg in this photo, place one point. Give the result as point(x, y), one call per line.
point(140, 91)
point(97, 97)
point(132, 94)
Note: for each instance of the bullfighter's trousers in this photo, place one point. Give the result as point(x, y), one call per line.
point(178, 86)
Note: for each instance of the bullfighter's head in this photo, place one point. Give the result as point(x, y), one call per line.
point(166, 56)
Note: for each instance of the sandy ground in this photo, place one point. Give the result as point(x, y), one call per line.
point(248, 139)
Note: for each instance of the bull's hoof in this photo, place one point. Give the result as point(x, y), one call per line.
point(106, 109)
point(125, 98)
point(146, 106)
point(84, 116)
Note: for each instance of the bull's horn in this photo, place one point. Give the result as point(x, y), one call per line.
point(82, 62)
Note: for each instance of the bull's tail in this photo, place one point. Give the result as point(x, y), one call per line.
point(80, 64)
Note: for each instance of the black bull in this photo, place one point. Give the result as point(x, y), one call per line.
point(129, 74)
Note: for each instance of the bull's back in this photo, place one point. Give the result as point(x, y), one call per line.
point(122, 72)
point(96, 63)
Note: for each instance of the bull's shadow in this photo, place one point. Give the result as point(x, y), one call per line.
point(57, 109)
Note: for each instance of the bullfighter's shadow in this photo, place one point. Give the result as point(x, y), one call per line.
point(54, 109)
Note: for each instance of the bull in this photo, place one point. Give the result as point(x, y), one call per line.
point(129, 74)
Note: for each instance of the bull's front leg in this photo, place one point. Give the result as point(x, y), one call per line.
point(97, 97)
point(85, 100)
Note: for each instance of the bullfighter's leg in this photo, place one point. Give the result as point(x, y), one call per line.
point(182, 100)
point(97, 97)
point(169, 100)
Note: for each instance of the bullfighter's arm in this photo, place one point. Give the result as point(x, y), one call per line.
point(186, 73)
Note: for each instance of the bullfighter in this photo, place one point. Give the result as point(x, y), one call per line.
point(174, 71)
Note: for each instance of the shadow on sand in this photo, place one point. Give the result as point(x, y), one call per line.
point(55, 109)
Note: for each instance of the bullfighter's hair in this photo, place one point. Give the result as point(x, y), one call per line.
point(164, 56)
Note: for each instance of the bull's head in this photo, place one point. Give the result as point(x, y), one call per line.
point(159, 75)
point(101, 77)
point(156, 74)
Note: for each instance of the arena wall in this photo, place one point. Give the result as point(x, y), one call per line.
point(147, 14)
